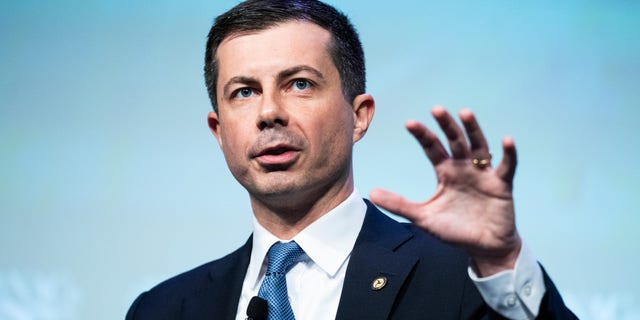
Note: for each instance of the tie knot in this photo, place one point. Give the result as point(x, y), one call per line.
point(282, 256)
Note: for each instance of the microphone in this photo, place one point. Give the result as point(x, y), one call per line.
point(257, 309)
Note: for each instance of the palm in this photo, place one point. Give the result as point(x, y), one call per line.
point(472, 207)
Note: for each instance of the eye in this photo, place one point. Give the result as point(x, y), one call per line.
point(243, 93)
point(301, 84)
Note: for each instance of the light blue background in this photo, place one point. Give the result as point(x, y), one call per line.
point(110, 180)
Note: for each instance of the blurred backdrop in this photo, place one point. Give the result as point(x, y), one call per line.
point(111, 182)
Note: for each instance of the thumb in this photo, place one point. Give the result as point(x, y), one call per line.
point(394, 203)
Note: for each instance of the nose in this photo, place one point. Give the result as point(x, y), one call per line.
point(272, 113)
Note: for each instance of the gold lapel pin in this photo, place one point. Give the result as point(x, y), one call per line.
point(378, 283)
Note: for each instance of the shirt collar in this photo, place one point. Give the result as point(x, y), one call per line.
point(328, 241)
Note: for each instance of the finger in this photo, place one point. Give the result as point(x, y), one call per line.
point(507, 168)
point(476, 136)
point(430, 143)
point(457, 141)
point(394, 203)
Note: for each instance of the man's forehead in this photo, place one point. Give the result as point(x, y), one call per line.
point(282, 42)
point(300, 30)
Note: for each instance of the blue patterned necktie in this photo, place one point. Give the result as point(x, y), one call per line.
point(274, 286)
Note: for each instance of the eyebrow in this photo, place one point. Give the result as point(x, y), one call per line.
point(281, 75)
point(296, 69)
point(235, 80)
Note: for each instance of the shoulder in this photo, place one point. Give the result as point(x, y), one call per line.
point(436, 272)
point(428, 246)
point(436, 261)
point(166, 300)
point(407, 238)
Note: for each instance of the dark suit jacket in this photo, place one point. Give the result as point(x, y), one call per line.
point(426, 279)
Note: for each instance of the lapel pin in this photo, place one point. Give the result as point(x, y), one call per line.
point(378, 283)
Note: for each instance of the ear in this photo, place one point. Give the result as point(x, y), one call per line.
point(363, 109)
point(214, 126)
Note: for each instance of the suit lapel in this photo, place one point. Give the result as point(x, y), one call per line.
point(219, 298)
point(374, 259)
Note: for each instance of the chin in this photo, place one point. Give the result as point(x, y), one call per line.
point(275, 185)
point(277, 191)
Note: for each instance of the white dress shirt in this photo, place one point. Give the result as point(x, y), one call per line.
point(515, 294)
point(314, 284)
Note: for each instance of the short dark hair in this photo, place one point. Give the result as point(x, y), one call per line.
point(345, 48)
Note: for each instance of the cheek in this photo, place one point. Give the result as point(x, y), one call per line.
point(342, 122)
point(231, 143)
point(234, 156)
point(336, 134)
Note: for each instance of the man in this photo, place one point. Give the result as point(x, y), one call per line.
point(286, 80)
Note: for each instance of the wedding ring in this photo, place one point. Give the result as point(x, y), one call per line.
point(480, 163)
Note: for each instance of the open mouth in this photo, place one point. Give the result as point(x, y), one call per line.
point(277, 157)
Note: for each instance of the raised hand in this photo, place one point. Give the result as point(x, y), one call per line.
point(473, 204)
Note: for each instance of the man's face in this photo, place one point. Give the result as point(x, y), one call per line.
point(283, 124)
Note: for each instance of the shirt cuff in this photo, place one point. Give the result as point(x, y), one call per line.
point(517, 293)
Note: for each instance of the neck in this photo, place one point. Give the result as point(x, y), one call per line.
point(286, 217)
